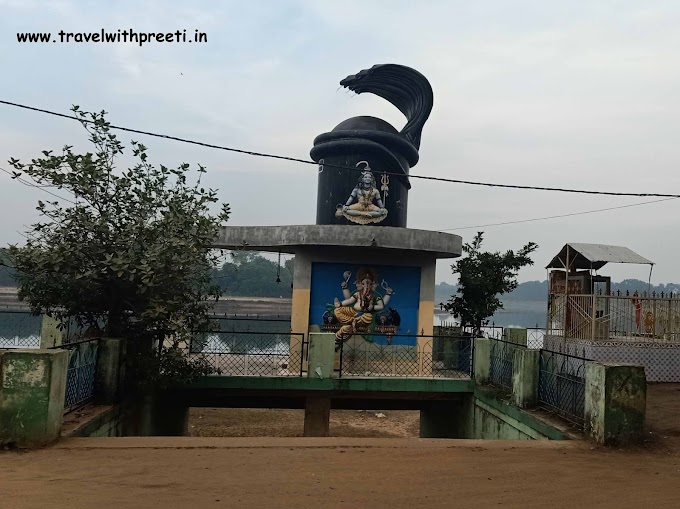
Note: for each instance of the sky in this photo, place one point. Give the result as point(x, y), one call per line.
point(577, 94)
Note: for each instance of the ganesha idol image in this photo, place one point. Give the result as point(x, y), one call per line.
point(362, 311)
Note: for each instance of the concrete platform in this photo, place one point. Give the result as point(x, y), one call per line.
point(291, 238)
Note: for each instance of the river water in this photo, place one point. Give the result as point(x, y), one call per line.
point(262, 334)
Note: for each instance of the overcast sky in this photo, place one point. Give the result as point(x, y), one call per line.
point(578, 94)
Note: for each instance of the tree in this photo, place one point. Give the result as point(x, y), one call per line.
point(252, 275)
point(129, 252)
point(483, 277)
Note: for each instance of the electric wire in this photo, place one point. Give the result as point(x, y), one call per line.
point(348, 168)
point(556, 216)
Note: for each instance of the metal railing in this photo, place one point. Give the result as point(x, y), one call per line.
point(620, 316)
point(80, 375)
point(247, 353)
point(19, 329)
point(535, 337)
point(561, 385)
point(501, 362)
point(415, 359)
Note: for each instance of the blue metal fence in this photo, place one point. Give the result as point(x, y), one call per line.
point(500, 369)
point(80, 376)
point(561, 385)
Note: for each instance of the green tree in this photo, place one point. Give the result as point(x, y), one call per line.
point(129, 250)
point(483, 277)
point(249, 274)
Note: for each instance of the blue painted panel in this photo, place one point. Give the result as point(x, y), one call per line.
point(401, 310)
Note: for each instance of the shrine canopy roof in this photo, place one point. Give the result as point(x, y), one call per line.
point(594, 256)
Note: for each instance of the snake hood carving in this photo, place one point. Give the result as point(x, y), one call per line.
point(405, 88)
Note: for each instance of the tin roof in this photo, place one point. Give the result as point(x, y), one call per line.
point(594, 256)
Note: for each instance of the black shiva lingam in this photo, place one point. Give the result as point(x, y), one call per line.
point(364, 162)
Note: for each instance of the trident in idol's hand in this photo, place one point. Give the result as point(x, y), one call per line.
point(385, 181)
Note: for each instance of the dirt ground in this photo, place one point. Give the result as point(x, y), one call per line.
point(212, 472)
point(246, 422)
point(663, 416)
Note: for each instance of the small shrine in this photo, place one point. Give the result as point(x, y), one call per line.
point(586, 318)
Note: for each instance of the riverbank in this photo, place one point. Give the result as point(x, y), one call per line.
point(225, 306)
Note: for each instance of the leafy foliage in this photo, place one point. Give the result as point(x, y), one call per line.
point(252, 275)
point(130, 250)
point(483, 277)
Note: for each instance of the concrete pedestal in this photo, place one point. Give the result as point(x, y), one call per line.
point(50, 333)
point(32, 388)
point(516, 335)
point(321, 358)
point(525, 367)
point(482, 360)
point(615, 405)
point(317, 416)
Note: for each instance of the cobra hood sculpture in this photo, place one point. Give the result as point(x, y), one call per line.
point(362, 151)
point(407, 89)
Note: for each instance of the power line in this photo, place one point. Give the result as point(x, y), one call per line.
point(304, 161)
point(558, 216)
point(31, 184)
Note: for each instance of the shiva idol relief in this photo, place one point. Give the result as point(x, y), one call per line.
point(365, 205)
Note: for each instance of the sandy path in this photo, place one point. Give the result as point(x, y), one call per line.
point(199, 473)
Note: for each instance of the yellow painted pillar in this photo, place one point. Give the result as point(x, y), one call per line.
point(299, 319)
point(426, 317)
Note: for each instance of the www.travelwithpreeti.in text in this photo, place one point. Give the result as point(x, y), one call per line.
point(119, 36)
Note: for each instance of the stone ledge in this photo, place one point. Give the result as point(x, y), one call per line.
point(289, 239)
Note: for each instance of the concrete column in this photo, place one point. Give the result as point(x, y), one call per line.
point(525, 377)
point(154, 413)
point(451, 351)
point(108, 377)
point(321, 355)
point(615, 402)
point(447, 419)
point(428, 270)
point(302, 281)
point(32, 389)
point(50, 334)
point(170, 418)
point(482, 360)
point(517, 336)
point(317, 416)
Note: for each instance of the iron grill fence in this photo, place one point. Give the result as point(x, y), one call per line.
point(500, 368)
point(19, 329)
point(80, 376)
point(561, 385)
point(651, 317)
point(246, 353)
point(535, 337)
point(411, 357)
